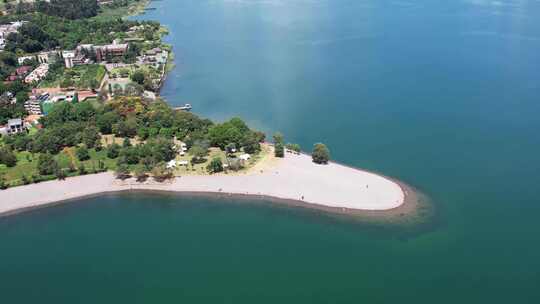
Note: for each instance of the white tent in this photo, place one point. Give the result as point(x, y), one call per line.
point(171, 164)
point(244, 156)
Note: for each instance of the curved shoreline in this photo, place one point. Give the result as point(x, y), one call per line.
point(293, 181)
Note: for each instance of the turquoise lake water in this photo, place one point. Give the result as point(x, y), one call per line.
point(441, 94)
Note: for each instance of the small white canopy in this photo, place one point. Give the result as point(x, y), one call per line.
point(183, 163)
point(171, 164)
point(244, 156)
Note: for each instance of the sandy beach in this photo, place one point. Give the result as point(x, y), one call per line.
point(295, 178)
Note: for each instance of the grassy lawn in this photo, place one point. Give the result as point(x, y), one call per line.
point(112, 139)
point(81, 76)
point(84, 74)
point(32, 131)
point(27, 164)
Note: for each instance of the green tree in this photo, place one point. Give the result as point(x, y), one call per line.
point(138, 77)
point(25, 179)
point(22, 141)
point(279, 150)
point(162, 149)
point(66, 82)
point(75, 98)
point(94, 84)
point(3, 184)
point(321, 154)
point(106, 121)
point(215, 165)
point(278, 137)
point(251, 143)
point(82, 153)
point(232, 131)
point(199, 153)
point(293, 147)
point(130, 155)
point(90, 137)
point(126, 143)
point(113, 150)
point(98, 146)
point(126, 128)
point(82, 169)
point(7, 157)
point(47, 165)
point(143, 133)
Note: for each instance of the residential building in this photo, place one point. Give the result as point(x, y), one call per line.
point(33, 106)
point(104, 52)
point(74, 58)
point(19, 73)
point(15, 126)
point(48, 57)
point(39, 73)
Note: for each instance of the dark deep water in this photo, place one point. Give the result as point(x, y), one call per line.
point(441, 94)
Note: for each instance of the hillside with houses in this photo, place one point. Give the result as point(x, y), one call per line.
point(42, 62)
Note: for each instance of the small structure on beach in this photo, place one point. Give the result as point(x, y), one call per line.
point(171, 164)
point(244, 157)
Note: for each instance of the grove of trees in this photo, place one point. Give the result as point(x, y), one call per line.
point(321, 154)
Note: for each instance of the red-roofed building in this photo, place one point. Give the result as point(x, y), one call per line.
point(19, 73)
point(22, 71)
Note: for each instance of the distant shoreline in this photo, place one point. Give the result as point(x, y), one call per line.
point(323, 186)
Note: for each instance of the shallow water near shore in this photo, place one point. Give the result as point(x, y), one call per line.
point(440, 94)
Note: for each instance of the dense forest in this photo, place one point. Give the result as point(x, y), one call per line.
point(70, 9)
point(43, 32)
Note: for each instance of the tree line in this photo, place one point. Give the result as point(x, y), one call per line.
point(153, 125)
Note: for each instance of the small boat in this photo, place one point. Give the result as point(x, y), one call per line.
point(186, 107)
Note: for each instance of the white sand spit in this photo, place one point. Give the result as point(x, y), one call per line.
point(292, 178)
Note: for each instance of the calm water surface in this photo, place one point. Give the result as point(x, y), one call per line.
point(441, 94)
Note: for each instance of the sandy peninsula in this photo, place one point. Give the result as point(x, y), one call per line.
point(295, 179)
